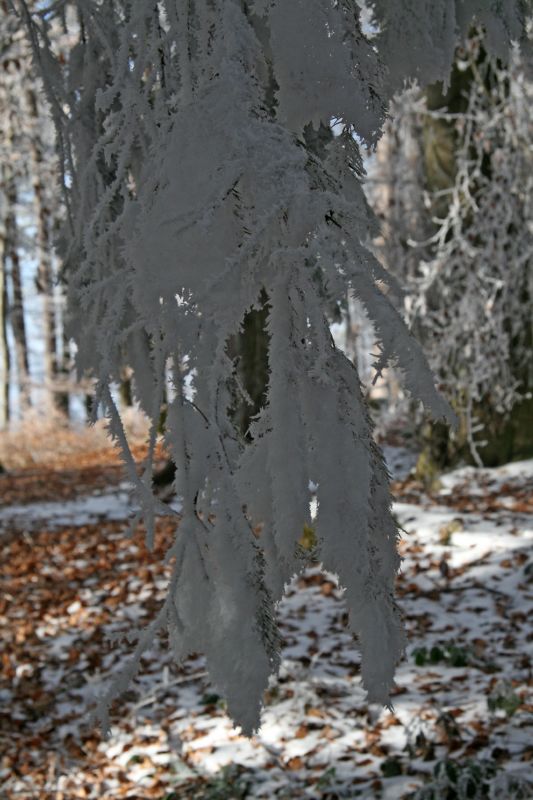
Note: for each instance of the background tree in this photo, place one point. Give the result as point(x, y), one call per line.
point(200, 172)
point(31, 215)
point(5, 361)
point(458, 236)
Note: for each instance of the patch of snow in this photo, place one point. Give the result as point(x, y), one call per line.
point(112, 505)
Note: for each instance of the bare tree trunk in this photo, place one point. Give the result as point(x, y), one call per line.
point(250, 350)
point(5, 365)
point(63, 369)
point(125, 389)
point(45, 281)
point(18, 324)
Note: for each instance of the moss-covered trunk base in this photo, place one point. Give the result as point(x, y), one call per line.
point(509, 438)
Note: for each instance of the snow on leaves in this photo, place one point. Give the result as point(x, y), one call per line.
point(204, 173)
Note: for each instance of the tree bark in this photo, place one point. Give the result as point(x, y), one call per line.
point(250, 350)
point(5, 365)
point(18, 323)
point(125, 389)
point(45, 274)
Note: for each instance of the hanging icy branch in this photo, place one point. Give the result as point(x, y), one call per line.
point(204, 174)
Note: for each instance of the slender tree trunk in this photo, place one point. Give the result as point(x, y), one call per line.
point(125, 390)
point(88, 403)
point(63, 369)
point(250, 349)
point(5, 366)
point(18, 324)
point(45, 275)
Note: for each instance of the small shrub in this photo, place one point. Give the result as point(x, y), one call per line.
point(228, 784)
point(391, 767)
point(325, 780)
point(448, 654)
point(472, 780)
point(503, 698)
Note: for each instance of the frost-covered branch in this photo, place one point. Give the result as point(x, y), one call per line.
point(205, 173)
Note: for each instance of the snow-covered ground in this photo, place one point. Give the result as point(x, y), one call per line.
point(98, 507)
point(116, 504)
point(463, 690)
point(105, 505)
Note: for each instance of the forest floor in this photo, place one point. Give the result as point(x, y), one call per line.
point(72, 583)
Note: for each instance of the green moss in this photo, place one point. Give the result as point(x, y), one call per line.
point(509, 438)
point(427, 470)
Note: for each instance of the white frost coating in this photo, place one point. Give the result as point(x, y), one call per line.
point(324, 66)
point(202, 166)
